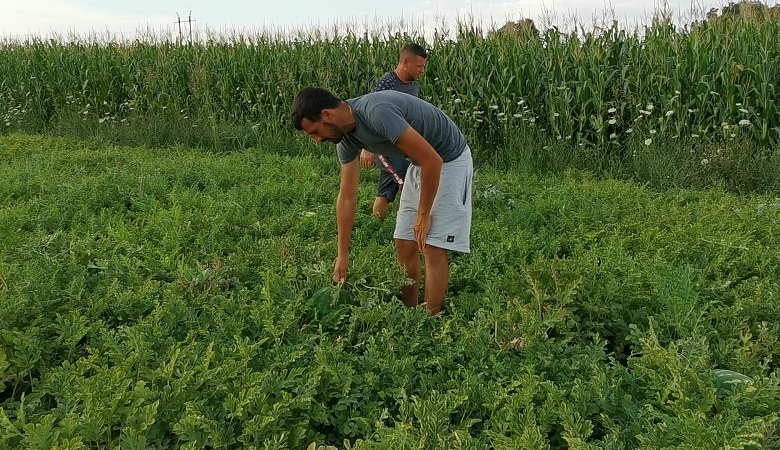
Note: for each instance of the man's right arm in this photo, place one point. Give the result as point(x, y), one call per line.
point(346, 206)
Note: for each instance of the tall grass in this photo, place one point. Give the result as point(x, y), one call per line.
point(604, 96)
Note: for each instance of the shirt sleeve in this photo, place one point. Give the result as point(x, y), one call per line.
point(347, 151)
point(386, 120)
point(379, 86)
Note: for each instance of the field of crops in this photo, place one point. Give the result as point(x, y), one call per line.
point(630, 102)
point(165, 298)
point(167, 245)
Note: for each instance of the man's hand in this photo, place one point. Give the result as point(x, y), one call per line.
point(421, 226)
point(366, 159)
point(340, 270)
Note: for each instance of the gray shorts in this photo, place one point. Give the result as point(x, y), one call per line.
point(451, 210)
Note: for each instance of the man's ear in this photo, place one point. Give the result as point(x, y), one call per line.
point(326, 114)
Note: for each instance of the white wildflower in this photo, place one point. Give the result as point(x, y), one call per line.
point(613, 136)
point(705, 161)
point(669, 113)
point(743, 110)
point(612, 121)
point(629, 131)
point(648, 141)
point(744, 122)
point(652, 131)
point(611, 110)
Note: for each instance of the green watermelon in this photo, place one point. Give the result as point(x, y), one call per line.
point(330, 298)
point(727, 379)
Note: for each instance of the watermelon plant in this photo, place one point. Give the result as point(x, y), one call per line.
point(175, 298)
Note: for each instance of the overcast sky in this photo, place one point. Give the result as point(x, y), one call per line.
point(21, 17)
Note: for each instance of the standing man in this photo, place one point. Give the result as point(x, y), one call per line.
point(434, 214)
point(411, 65)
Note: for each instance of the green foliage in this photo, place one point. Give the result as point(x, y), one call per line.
point(171, 298)
point(674, 106)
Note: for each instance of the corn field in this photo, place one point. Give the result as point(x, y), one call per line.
point(600, 89)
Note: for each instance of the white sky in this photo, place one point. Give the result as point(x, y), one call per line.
point(19, 18)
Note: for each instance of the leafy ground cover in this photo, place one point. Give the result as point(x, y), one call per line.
point(171, 298)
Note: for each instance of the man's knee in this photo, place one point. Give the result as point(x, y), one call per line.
point(380, 206)
point(406, 249)
point(434, 255)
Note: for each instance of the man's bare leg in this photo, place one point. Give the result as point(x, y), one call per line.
point(437, 275)
point(409, 257)
point(380, 207)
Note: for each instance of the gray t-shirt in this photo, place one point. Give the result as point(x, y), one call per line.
point(381, 117)
point(390, 81)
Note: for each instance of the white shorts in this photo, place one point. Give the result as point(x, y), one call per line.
point(451, 210)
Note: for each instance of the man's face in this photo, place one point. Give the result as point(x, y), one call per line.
point(415, 66)
point(322, 130)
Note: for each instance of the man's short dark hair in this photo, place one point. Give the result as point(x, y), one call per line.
point(414, 49)
point(309, 103)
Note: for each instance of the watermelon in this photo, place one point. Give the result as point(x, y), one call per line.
point(330, 298)
point(726, 379)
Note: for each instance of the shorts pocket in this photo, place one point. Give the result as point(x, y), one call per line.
point(466, 188)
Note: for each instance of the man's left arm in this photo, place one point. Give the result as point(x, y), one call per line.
point(417, 148)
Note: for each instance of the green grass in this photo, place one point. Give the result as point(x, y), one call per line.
point(163, 297)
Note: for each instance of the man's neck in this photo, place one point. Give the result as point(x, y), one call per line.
point(399, 73)
point(352, 124)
